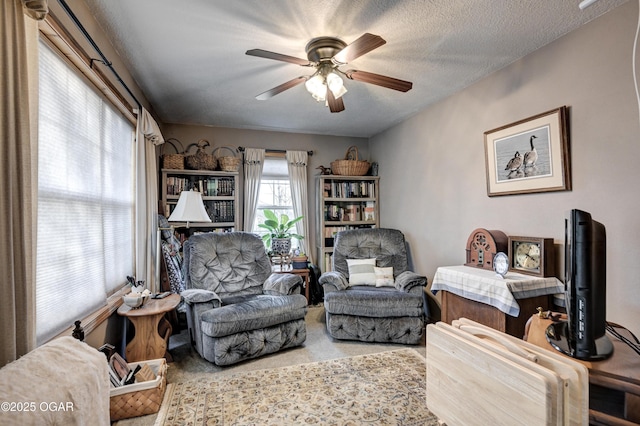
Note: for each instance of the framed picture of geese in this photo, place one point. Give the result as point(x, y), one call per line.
point(528, 156)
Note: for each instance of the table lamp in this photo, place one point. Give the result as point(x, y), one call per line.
point(190, 208)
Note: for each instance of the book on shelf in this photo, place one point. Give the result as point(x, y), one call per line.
point(351, 213)
point(327, 262)
point(327, 189)
point(369, 211)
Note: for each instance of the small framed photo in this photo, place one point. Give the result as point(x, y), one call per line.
point(528, 156)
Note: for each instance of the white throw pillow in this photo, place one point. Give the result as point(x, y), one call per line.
point(361, 271)
point(384, 277)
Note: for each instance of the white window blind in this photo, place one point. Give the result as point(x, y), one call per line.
point(85, 198)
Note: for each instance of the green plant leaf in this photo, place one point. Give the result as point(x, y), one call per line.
point(269, 214)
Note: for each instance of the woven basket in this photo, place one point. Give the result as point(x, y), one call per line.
point(172, 161)
point(201, 160)
point(139, 399)
point(351, 165)
point(228, 163)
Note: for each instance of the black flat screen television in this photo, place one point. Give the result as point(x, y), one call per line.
point(582, 335)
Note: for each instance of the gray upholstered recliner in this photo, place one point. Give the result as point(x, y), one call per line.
point(393, 310)
point(236, 308)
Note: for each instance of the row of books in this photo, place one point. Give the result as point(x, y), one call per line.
point(341, 189)
point(350, 212)
point(209, 187)
point(120, 374)
point(183, 236)
point(219, 211)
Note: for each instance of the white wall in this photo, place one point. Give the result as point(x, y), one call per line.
point(432, 166)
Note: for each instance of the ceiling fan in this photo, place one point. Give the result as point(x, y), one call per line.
point(326, 55)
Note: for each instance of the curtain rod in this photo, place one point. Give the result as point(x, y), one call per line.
point(105, 61)
point(275, 151)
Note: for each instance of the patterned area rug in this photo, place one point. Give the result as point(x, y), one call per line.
point(386, 388)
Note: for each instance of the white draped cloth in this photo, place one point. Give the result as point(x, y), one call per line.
point(297, 164)
point(253, 165)
point(148, 136)
point(483, 285)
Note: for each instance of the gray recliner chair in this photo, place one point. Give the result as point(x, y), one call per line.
point(236, 308)
point(388, 306)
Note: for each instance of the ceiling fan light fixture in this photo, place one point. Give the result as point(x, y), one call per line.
point(325, 79)
point(336, 85)
point(326, 54)
point(317, 87)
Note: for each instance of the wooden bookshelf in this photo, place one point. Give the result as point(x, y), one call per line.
point(344, 202)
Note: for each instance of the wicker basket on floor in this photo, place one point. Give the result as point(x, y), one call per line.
point(139, 399)
point(201, 160)
point(227, 163)
point(351, 165)
point(172, 161)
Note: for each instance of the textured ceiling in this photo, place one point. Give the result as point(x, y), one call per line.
point(189, 56)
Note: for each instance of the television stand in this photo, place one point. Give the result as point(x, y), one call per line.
point(558, 336)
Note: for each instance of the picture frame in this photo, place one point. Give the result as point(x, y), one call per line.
point(529, 156)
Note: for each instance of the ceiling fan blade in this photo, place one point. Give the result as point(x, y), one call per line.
point(279, 89)
point(335, 105)
point(379, 80)
point(279, 57)
point(365, 44)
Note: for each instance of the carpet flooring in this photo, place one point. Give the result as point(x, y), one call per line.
point(319, 346)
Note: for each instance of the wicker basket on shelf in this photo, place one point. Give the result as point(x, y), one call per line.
point(201, 160)
point(227, 163)
point(351, 165)
point(172, 161)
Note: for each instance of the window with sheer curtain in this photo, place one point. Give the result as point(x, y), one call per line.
point(85, 244)
point(275, 193)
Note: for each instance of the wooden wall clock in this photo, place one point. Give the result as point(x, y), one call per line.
point(483, 245)
point(532, 255)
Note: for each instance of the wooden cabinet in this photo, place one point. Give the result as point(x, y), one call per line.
point(344, 202)
point(481, 295)
point(219, 192)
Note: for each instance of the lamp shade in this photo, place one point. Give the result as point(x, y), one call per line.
point(317, 87)
point(190, 208)
point(336, 85)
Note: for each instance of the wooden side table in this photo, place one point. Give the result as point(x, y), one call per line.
point(152, 329)
point(614, 383)
point(304, 273)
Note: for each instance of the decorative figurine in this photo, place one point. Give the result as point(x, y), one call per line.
point(78, 331)
point(324, 170)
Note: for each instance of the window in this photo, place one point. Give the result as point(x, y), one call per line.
point(275, 193)
point(85, 245)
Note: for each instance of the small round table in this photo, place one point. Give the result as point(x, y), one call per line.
point(152, 329)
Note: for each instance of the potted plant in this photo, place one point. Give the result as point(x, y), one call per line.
point(278, 237)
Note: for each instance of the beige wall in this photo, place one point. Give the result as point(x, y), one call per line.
point(432, 166)
point(325, 149)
